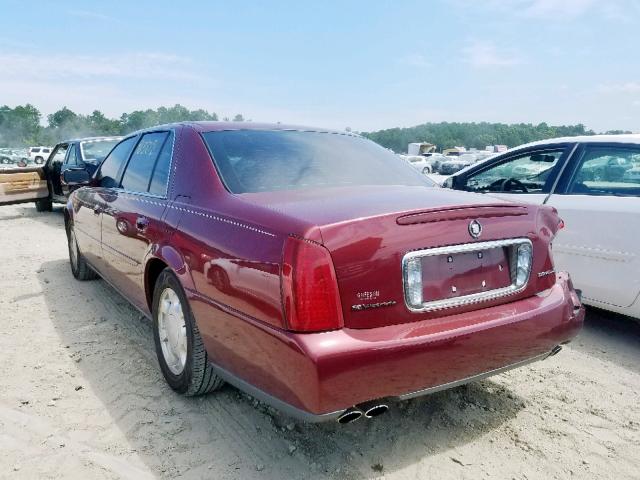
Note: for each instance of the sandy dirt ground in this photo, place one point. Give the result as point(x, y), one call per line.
point(81, 396)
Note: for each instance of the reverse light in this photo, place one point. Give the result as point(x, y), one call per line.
point(523, 264)
point(413, 282)
point(309, 287)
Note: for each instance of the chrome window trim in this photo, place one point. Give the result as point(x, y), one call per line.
point(172, 135)
point(430, 306)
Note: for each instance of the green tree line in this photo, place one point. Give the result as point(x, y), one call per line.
point(22, 126)
point(474, 135)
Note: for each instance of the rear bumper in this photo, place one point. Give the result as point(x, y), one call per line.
point(315, 377)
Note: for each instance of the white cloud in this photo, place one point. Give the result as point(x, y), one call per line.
point(482, 54)
point(129, 65)
point(89, 14)
point(552, 10)
point(627, 87)
point(110, 83)
point(561, 8)
point(416, 60)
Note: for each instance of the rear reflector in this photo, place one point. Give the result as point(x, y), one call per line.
point(309, 288)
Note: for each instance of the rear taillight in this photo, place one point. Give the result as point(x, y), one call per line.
point(309, 288)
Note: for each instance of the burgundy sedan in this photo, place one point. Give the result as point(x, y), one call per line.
point(314, 269)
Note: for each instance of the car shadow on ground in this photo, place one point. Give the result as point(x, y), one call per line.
point(28, 210)
point(228, 431)
point(611, 337)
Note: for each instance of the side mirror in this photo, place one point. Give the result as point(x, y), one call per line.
point(76, 177)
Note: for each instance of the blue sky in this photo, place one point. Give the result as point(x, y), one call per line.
point(363, 64)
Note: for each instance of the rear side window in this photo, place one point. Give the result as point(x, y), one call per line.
point(137, 176)
point(35, 150)
point(112, 166)
point(605, 170)
point(160, 176)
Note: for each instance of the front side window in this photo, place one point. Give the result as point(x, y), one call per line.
point(109, 173)
point(605, 170)
point(137, 176)
point(532, 172)
point(71, 158)
point(273, 160)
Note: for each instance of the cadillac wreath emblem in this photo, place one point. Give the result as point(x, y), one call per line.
point(475, 228)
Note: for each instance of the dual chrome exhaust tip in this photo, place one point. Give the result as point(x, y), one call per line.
point(367, 410)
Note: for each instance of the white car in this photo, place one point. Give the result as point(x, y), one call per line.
point(594, 183)
point(421, 163)
point(38, 155)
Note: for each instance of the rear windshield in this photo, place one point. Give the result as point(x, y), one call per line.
point(264, 161)
point(96, 151)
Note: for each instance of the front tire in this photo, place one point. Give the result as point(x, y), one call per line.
point(79, 267)
point(181, 354)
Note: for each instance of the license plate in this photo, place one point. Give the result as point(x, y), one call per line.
point(459, 274)
point(445, 277)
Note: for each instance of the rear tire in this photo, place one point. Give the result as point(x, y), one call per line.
point(44, 205)
point(39, 160)
point(194, 375)
point(79, 267)
point(426, 170)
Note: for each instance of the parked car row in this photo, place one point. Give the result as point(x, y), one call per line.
point(444, 164)
point(22, 156)
point(11, 156)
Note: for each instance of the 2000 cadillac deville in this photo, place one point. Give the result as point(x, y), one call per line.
point(314, 269)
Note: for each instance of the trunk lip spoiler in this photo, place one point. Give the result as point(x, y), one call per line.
point(462, 213)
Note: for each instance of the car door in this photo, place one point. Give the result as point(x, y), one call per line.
point(599, 200)
point(93, 201)
point(133, 223)
point(523, 176)
point(22, 185)
point(71, 161)
point(53, 168)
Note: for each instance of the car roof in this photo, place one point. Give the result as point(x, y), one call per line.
point(90, 139)
point(215, 126)
point(625, 138)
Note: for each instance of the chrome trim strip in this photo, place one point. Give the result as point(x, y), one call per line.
point(473, 378)
point(471, 298)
